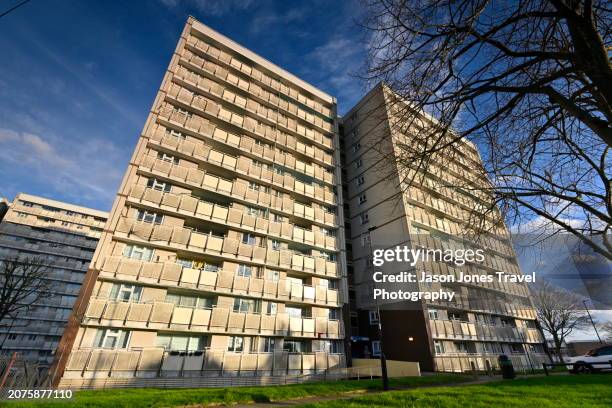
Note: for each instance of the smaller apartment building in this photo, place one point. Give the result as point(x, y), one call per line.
point(64, 237)
point(483, 320)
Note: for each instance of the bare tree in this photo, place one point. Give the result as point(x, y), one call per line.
point(559, 312)
point(528, 81)
point(23, 283)
point(606, 329)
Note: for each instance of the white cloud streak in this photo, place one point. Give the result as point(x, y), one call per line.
point(91, 169)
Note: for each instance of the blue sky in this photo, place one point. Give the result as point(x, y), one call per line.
point(78, 77)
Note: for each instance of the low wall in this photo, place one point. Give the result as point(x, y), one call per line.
point(364, 367)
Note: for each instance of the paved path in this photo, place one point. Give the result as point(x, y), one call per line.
point(353, 394)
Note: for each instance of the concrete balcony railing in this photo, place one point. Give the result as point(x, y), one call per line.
point(187, 205)
point(457, 330)
point(259, 111)
point(36, 210)
point(228, 216)
point(460, 362)
point(199, 149)
point(161, 315)
point(244, 166)
point(271, 97)
point(208, 108)
point(180, 238)
point(158, 362)
point(237, 188)
point(176, 275)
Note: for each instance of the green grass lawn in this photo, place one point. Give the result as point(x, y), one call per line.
point(153, 397)
point(558, 391)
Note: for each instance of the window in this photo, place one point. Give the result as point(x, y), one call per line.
point(235, 344)
point(360, 180)
point(150, 217)
point(373, 316)
point(12, 336)
point(433, 314)
point(110, 338)
point(457, 316)
point(22, 215)
point(254, 186)
point(276, 244)
point(362, 199)
point(461, 347)
point(175, 133)
point(293, 346)
point(364, 218)
point(138, 252)
point(365, 239)
point(268, 344)
point(278, 218)
point(65, 223)
point(604, 351)
point(273, 275)
point(517, 348)
point(271, 308)
point(248, 238)
point(31, 337)
point(26, 204)
point(246, 305)
point(294, 311)
point(190, 301)
point(356, 147)
point(333, 314)
point(125, 293)
point(332, 347)
point(244, 270)
point(376, 348)
point(181, 342)
point(438, 347)
point(358, 163)
point(253, 211)
point(159, 185)
point(167, 158)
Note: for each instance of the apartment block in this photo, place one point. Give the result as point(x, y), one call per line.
point(63, 238)
point(223, 255)
point(484, 320)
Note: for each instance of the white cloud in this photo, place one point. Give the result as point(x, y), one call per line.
point(268, 18)
point(340, 59)
point(211, 7)
point(90, 169)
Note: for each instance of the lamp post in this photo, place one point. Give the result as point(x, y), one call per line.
point(383, 359)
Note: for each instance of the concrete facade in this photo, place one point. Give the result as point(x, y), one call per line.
point(484, 320)
point(64, 237)
point(223, 254)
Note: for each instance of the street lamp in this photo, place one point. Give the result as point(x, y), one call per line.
point(383, 359)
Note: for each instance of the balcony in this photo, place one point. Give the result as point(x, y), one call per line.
point(458, 330)
point(197, 123)
point(249, 85)
point(237, 189)
point(195, 147)
point(157, 362)
point(161, 315)
point(228, 216)
point(240, 165)
point(173, 274)
point(180, 238)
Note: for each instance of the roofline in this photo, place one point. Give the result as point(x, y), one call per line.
point(215, 35)
point(60, 204)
